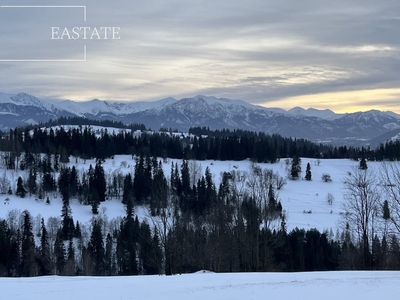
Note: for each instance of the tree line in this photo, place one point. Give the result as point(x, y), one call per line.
point(84, 142)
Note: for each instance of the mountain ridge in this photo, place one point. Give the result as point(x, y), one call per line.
point(216, 113)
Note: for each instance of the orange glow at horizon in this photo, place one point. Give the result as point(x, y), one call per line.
point(342, 102)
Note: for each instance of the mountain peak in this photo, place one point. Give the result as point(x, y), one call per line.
point(25, 99)
point(313, 112)
point(224, 102)
point(20, 97)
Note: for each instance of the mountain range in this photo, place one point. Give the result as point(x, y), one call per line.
point(359, 128)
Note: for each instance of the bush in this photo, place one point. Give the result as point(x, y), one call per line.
point(326, 177)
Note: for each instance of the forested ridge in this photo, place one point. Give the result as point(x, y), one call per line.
point(199, 144)
point(192, 224)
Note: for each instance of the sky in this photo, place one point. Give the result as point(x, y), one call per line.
point(343, 55)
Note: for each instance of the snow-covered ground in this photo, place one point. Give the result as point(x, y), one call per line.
point(297, 197)
point(310, 286)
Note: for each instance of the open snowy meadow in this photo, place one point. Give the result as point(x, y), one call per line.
point(310, 286)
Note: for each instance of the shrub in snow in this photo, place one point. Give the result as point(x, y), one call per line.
point(326, 177)
point(279, 180)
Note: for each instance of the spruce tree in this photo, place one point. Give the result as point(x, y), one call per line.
point(126, 246)
point(159, 191)
point(44, 252)
point(376, 253)
point(48, 182)
point(363, 162)
point(64, 183)
point(185, 178)
point(386, 211)
point(308, 172)
point(211, 193)
point(156, 254)
point(77, 232)
point(139, 180)
point(28, 267)
point(70, 263)
point(145, 248)
point(94, 201)
point(56, 162)
point(59, 253)
point(73, 182)
point(127, 194)
point(96, 248)
point(32, 182)
point(108, 264)
point(296, 168)
point(20, 188)
point(99, 182)
point(67, 229)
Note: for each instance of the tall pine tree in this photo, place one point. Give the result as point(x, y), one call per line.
point(308, 172)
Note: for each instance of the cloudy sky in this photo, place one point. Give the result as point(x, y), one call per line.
point(342, 54)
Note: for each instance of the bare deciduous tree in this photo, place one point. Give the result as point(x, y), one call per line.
point(361, 205)
point(164, 223)
point(4, 183)
point(330, 198)
point(280, 181)
point(239, 182)
point(195, 170)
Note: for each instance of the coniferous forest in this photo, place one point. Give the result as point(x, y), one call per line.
point(192, 224)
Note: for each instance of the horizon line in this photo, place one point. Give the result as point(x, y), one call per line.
point(55, 100)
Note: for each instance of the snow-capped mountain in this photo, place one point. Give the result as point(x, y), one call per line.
point(312, 112)
point(24, 109)
point(216, 113)
point(97, 107)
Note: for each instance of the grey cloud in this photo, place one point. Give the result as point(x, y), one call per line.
point(173, 48)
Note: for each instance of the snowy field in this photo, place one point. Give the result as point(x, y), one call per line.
point(310, 286)
point(297, 197)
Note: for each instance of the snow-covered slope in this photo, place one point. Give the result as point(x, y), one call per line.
point(200, 286)
point(95, 107)
point(296, 196)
